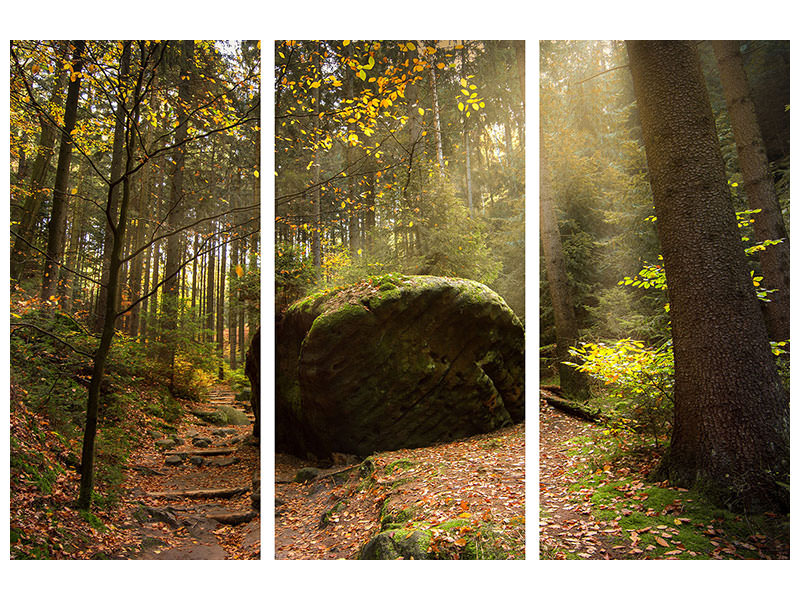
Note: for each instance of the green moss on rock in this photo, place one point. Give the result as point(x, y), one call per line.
point(396, 361)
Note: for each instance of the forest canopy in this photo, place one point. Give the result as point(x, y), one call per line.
point(399, 156)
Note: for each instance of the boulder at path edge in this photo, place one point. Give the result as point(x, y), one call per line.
point(396, 362)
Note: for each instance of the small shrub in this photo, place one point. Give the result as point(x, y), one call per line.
point(641, 380)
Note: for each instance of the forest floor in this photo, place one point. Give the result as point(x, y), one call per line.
point(597, 501)
point(202, 506)
point(477, 483)
point(152, 517)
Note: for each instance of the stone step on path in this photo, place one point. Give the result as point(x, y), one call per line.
point(191, 457)
point(202, 493)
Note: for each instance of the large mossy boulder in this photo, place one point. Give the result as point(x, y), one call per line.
point(396, 362)
point(252, 368)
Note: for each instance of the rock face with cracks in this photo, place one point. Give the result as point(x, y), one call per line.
point(396, 362)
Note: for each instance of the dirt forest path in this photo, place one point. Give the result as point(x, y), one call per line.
point(566, 521)
point(195, 494)
point(339, 509)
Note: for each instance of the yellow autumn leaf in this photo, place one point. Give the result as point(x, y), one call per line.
point(361, 75)
point(346, 43)
point(255, 173)
point(421, 111)
point(239, 270)
point(359, 251)
point(411, 46)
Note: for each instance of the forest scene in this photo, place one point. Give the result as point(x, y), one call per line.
point(664, 300)
point(399, 299)
point(135, 264)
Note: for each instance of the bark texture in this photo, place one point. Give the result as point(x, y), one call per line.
point(758, 185)
point(731, 428)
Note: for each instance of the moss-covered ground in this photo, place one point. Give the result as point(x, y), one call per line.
point(600, 500)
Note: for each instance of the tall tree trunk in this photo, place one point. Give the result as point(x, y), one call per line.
point(731, 429)
point(437, 126)
point(58, 216)
point(137, 264)
point(354, 237)
point(221, 300)
point(233, 304)
point(316, 246)
point(71, 255)
point(116, 189)
point(465, 132)
point(176, 208)
point(369, 213)
point(36, 193)
point(210, 297)
point(107, 333)
point(574, 384)
point(758, 186)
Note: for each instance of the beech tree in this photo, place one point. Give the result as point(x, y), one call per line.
point(731, 430)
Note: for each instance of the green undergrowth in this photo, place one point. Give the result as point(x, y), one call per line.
point(51, 367)
point(652, 519)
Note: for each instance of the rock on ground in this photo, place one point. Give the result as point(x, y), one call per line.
point(396, 362)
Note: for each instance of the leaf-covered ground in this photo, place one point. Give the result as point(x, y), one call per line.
point(597, 502)
point(222, 522)
point(477, 483)
point(44, 522)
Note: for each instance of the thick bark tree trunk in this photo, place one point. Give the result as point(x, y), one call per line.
point(731, 428)
point(758, 186)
